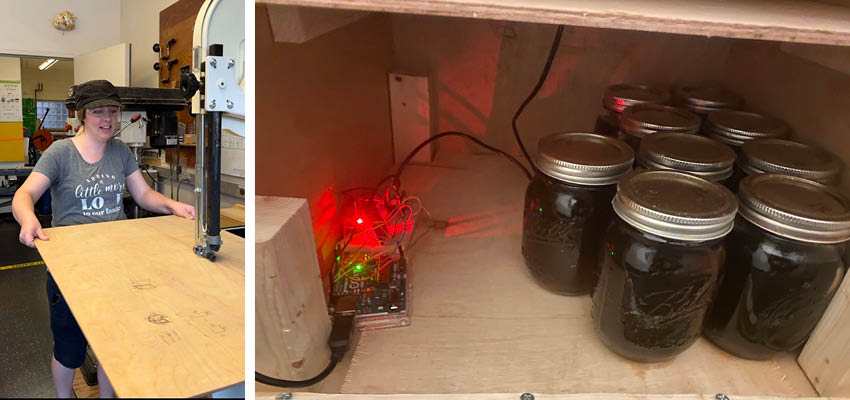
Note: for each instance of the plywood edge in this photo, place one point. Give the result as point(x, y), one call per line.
point(507, 396)
point(577, 13)
point(301, 24)
point(826, 356)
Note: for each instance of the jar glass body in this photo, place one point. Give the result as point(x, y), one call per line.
point(774, 291)
point(653, 293)
point(607, 123)
point(563, 226)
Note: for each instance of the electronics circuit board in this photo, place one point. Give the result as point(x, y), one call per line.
point(380, 286)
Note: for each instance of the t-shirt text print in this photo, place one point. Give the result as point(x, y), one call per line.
point(93, 195)
point(83, 192)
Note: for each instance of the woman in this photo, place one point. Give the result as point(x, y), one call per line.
point(87, 176)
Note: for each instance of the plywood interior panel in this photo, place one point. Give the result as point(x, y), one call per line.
point(811, 97)
point(162, 321)
point(482, 70)
point(323, 118)
point(792, 21)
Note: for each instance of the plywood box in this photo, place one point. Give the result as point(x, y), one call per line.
point(479, 323)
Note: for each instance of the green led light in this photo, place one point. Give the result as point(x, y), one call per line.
point(358, 267)
point(540, 210)
point(338, 258)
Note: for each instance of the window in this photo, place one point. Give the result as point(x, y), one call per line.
point(57, 117)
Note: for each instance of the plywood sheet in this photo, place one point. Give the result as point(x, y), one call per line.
point(162, 321)
point(479, 322)
point(790, 21)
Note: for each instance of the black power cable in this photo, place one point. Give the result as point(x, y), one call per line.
point(296, 384)
point(397, 176)
point(531, 96)
point(339, 342)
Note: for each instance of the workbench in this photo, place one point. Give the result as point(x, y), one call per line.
point(162, 321)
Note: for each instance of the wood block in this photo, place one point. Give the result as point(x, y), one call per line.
point(826, 356)
point(410, 108)
point(300, 24)
point(292, 324)
point(162, 321)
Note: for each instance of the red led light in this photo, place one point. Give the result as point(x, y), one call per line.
point(359, 220)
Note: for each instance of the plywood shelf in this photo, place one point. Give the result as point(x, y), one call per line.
point(782, 20)
point(480, 324)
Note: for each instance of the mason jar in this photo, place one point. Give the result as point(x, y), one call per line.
point(693, 154)
point(702, 100)
point(618, 97)
point(661, 262)
point(784, 157)
point(641, 120)
point(567, 206)
point(738, 127)
point(784, 265)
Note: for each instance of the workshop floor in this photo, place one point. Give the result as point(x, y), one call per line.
point(25, 339)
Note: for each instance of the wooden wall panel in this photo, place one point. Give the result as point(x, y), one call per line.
point(177, 22)
point(482, 70)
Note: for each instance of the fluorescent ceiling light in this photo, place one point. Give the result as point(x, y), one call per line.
point(47, 64)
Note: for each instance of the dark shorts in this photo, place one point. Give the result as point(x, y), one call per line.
point(69, 344)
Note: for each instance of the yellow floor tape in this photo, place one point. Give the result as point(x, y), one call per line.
point(13, 266)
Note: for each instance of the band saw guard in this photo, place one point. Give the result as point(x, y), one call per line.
point(218, 69)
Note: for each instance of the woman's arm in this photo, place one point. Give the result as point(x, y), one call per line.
point(152, 200)
point(23, 208)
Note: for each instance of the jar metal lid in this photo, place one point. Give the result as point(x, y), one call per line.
point(778, 156)
point(618, 97)
point(696, 155)
point(736, 127)
point(675, 205)
point(708, 97)
point(644, 119)
point(584, 158)
point(795, 208)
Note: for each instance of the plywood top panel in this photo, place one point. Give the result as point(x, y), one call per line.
point(480, 323)
point(162, 321)
point(782, 20)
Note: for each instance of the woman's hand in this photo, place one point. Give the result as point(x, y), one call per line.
point(182, 210)
point(31, 230)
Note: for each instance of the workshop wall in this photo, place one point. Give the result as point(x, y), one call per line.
point(55, 80)
point(28, 29)
point(11, 127)
point(140, 28)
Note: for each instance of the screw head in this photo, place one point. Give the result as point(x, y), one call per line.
point(284, 396)
point(212, 103)
point(229, 104)
point(721, 396)
point(230, 63)
point(526, 396)
point(212, 62)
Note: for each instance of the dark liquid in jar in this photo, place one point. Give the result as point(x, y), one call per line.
point(653, 293)
point(632, 140)
point(607, 125)
point(774, 292)
point(563, 226)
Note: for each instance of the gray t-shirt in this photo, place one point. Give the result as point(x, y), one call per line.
point(83, 193)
